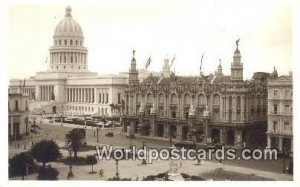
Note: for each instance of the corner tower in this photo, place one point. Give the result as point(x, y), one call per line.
point(237, 65)
point(133, 72)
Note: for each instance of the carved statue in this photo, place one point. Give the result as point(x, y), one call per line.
point(237, 42)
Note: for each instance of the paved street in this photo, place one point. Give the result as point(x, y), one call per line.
point(57, 132)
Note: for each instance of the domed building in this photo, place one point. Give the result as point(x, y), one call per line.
point(68, 53)
point(68, 87)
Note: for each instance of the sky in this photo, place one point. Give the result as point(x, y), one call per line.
point(161, 29)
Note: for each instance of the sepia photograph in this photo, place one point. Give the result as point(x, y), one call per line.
point(149, 91)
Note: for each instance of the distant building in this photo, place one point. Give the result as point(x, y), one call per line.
point(17, 115)
point(280, 112)
point(215, 108)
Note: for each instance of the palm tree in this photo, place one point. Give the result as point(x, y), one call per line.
point(74, 139)
point(112, 108)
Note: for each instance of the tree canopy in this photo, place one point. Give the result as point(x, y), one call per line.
point(45, 151)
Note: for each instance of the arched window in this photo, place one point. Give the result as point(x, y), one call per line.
point(173, 99)
point(187, 99)
point(161, 98)
point(59, 42)
point(216, 100)
point(66, 42)
point(76, 42)
point(71, 42)
point(201, 99)
point(64, 67)
point(149, 98)
point(71, 59)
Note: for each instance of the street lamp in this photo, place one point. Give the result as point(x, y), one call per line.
point(85, 128)
point(117, 169)
point(61, 120)
point(26, 123)
point(284, 156)
point(97, 133)
point(34, 124)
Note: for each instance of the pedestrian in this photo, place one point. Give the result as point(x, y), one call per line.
point(18, 145)
point(24, 147)
point(101, 172)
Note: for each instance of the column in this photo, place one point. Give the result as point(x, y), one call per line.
point(242, 108)
point(268, 141)
point(179, 132)
point(166, 131)
point(89, 95)
point(47, 93)
point(77, 95)
point(238, 137)
point(84, 95)
point(234, 108)
point(280, 144)
point(41, 93)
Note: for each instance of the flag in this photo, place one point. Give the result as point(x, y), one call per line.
point(46, 60)
point(172, 61)
point(162, 76)
point(201, 62)
point(220, 60)
point(148, 63)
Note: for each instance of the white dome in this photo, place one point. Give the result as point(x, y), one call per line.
point(68, 26)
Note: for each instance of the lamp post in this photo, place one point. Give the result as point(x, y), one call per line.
point(70, 174)
point(284, 156)
point(61, 120)
point(26, 123)
point(97, 133)
point(34, 124)
point(117, 169)
point(85, 129)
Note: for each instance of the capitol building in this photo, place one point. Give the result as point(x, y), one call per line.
point(68, 87)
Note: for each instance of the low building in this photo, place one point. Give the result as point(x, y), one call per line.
point(280, 112)
point(17, 115)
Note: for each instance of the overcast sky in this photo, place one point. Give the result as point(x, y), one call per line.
point(160, 29)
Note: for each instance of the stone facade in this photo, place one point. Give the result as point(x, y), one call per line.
point(68, 87)
point(17, 115)
point(280, 112)
point(219, 108)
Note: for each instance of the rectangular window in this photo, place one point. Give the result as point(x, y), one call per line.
point(275, 126)
point(286, 93)
point(99, 97)
point(106, 97)
point(286, 125)
point(287, 109)
point(275, 93)
point(119, 97)
point(275, 109)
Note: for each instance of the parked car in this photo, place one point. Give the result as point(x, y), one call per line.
point(109, 134)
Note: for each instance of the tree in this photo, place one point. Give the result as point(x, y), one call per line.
point(74, 139)
point(91, 160)
point(20, 164)
point(45, 151)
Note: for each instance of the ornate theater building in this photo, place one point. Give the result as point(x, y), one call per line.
point(216, 108)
